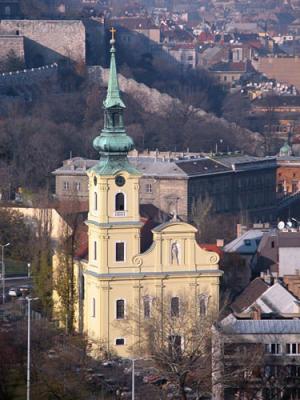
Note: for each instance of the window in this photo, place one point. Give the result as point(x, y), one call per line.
point(175, 346)
point(120, 205)
point(272, 244)
point(294, 187)
point(190, 58)
point(120, 309)
point(95, 201)
point(120, 251)
point(77, 186)
point(147, 307)
point(120, 342)
point(294, 370)
point(280, 188)
point(174, 306)
point(293, 348)
point(7, 11)
point(93, 307)
point(95, 250)
point(66, 185)
point(273, 348)
point(148, 188)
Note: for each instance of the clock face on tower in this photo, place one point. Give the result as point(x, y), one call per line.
point(120, 180)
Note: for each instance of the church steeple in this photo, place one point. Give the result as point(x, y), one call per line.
point(113, 143)
point(113, 98)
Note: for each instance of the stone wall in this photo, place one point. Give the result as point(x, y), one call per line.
point(28, 76)
point(46, 41)
point(8, 43)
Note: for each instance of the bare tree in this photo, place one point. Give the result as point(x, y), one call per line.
point(175, 333)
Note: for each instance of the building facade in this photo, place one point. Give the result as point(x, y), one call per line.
point(176, 182)
point(116, 277)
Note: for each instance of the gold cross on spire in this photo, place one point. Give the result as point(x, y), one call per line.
point(113, 31)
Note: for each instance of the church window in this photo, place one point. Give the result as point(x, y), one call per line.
point(175, 307)
point(120, 251)
point(120, 342)
point(175, 346)
point(120, 309)
point(95, 201)
point(93, 307)
point(95, 250)
point(66, 185)
point(148, 188)
point(147, 307)
point(120, 202)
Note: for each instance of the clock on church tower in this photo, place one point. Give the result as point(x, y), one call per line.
point(113, 189)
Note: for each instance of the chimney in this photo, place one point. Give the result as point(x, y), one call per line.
point(220, 242)
point(256, 314)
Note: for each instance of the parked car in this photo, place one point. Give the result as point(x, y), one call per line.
point(14, 292)
point(25, 290)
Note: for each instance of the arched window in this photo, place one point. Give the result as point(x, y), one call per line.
point(120, 309)
point(95, 201)
point(120, 202)
point(147, 307)
point(175, 307)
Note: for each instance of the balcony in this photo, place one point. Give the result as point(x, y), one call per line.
point(120, 213)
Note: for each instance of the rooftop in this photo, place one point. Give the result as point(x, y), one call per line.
point(133, 23)
point(255, 289)
point(178, 165)
point(232, 325)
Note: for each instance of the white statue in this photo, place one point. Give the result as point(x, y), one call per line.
point(175, 252)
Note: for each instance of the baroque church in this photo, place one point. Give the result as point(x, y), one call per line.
point(116, 276)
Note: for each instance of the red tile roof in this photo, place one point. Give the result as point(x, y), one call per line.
point(212, 247)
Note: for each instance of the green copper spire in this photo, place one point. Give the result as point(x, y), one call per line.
point(113, 143)
point(113, 92)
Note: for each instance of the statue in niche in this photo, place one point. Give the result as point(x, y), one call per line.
point(203, 304)
point(175, 252)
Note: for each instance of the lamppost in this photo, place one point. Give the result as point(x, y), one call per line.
point(133, 380)
point(28, 270)
point(3, 270)
point(29, 300)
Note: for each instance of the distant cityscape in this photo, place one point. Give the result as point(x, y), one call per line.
point(149, 199)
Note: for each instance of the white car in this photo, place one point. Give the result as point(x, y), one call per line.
point(14, 292)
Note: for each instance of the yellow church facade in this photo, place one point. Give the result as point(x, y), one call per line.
point(117, 277)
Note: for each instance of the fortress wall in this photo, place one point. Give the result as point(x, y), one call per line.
point(48, 41)
point(8, 43)
point(28, 76)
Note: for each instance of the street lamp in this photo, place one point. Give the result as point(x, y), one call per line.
point(3, 270)
point(29, 300)
point(28, 270)
point(133, 380)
